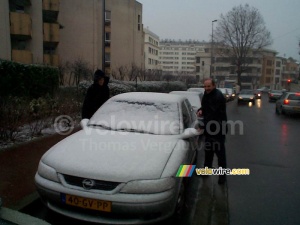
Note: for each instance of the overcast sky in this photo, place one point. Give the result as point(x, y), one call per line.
point(191, 19)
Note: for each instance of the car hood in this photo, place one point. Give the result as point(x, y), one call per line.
point(113, 156)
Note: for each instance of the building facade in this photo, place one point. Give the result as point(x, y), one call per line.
point(179, 57)
point(151, 49)
point(104, 33)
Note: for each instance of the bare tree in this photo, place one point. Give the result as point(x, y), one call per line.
point(240, 32)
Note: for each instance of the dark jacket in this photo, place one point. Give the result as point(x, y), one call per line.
point(213, 107)
point(95, 97)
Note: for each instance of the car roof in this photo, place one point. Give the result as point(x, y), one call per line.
point(149, 97)
point(186, 93)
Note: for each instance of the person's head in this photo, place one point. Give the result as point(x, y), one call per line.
point(99, 77)
point(209, 85)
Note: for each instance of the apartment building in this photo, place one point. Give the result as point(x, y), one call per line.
point(260, 68)
point(290, 71)
point(106, 34)
point(179, 57)
point(151, 49)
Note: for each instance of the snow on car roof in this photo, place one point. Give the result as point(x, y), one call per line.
point(143, 112)
point(149, 96)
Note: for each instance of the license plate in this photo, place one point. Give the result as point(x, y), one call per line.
point(86, 203)
point(297, 108)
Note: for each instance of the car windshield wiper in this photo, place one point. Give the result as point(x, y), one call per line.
point(100, 125)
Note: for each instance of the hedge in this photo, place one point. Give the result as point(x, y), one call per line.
point(23, 80)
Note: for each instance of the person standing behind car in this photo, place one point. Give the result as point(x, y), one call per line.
point(213, 110)
point(96, 95)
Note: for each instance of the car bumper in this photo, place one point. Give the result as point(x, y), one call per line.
point(291, 109)
point(126, 208)
point(273, 98)
point(246, 100)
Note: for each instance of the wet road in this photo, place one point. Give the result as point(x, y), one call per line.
point(270, 148)
point(265, 143)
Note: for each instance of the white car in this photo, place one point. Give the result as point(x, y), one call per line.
point(121, 167)
point(201, 90)
point(193, 97)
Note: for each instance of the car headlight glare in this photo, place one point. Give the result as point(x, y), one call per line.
point(47, 172)
point(148, 186)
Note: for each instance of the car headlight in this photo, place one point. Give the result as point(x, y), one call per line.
point(251, 97)
point(240, 98)
point(47, 172)
point(148, 186)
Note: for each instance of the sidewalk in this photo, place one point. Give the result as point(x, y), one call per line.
point(18, 167)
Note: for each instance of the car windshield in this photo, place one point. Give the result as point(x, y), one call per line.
point(277, 91)
point(160, 118)
point(250, 92)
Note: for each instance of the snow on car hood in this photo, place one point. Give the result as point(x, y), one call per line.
point(113, 156)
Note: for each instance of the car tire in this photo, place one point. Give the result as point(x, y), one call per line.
point(253, 102)
point(276, 111)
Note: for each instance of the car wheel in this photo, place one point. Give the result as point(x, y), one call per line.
point(253, 102)
point(180, 200)
point(276, 111)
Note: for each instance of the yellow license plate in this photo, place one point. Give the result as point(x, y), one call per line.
point(86, 203)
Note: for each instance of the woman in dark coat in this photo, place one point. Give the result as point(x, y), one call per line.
point(96, 95)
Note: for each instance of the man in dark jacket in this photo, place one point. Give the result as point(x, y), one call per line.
point(214, 114)
point(96, 95)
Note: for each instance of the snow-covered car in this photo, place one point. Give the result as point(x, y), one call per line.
point(193, 97)
point(121, 167)
point(246, 95)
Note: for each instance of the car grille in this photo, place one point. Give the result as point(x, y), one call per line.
point(99, 184)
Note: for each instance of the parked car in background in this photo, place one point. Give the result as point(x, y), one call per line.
point(264, 89)
point(274, 95)
point(201, 90)
point(288, 103)
point(225, 93)
point(121, 168)
point(246, 95)
point(257, 94)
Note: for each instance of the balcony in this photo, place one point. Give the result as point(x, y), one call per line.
point(21, 56)
point(52, 60)
point(20, 25)
point(50, 10)
point(51, 32)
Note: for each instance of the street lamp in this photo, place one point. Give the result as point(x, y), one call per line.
point(212, 46)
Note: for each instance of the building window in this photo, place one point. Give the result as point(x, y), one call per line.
point(139, 22)
point(107, 36)
point(197, 69)
point(198, 59)
point(107, 15)
point(107, 56)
